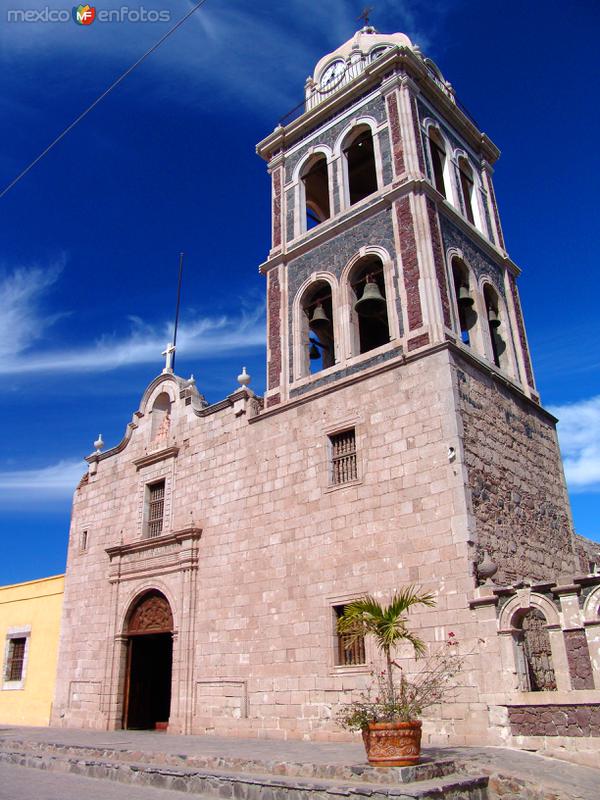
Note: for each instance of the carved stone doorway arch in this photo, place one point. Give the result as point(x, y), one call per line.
point(149, 632)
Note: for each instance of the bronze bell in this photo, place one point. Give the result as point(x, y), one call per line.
point(372, 303)
point(319, 319)
point(493, 318)
point(464, 298)
point(313, 352)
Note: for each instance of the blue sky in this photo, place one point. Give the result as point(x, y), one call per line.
point(91, 236)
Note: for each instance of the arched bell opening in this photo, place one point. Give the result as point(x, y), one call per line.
point(361, 170)
point(315, 182)
point(317, 330)
point(534, 654)
point(437, 150)
point(467, 185)
point(494, 321)
point(370, 324)
point(466, 315)
point(148, 674)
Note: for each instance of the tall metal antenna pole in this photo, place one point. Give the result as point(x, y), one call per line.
point(181, 255)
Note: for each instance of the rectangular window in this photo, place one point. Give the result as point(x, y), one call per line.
point(343, 457)
point(350, 650)
point(156, 508)
point(83, 542)
point(16, 659)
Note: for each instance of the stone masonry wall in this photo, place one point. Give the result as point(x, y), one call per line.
point(578, 657)
point(255, 648)
point(588, 553)
point(559, 720)
point(515, 480)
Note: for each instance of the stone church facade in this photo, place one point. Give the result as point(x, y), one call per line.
point(400, 440)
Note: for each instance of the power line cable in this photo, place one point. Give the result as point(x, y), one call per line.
point(104, 94)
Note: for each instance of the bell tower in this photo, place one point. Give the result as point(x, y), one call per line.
point(387, 251)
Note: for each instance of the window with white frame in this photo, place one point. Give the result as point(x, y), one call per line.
point(316, 329)
point(369, 319)
point(16, 652)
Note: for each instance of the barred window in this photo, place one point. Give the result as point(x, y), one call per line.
point(350, 650)
point(343, 457)
point(156, 508)
point(16, 659)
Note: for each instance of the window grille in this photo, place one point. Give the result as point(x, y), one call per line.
point(350, 650)
point(16, 658)
point(343, 457)
point(156, 508)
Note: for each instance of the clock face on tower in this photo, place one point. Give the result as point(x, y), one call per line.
point(332, 74)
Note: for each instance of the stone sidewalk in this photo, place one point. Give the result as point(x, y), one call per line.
point(513, 773)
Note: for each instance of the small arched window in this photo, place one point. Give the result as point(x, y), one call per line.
point(316, 329)
point(492, 312)
point(437, 150)
point(360, 164)
point(534, 656)
point(315, 180)
point(161, 417)
point(370, 326)
point(465, 302)
point(467, 185)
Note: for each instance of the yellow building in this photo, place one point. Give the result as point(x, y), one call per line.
point(29, 627)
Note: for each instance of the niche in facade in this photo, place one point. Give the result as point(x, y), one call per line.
point(534, 662)
point(370, 326)
point(161, 417)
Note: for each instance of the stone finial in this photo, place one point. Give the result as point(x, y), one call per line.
point(191, 380)
point(243, 378)
point(486, 569)
point(99, 443)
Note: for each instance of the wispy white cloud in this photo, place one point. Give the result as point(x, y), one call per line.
point(579, 436)
point(24, 325)
point(41, 486)
point(21, 320)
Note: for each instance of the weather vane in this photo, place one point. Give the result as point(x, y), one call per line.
point(365, 14)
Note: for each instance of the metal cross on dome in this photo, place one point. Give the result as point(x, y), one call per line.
point(365, 14)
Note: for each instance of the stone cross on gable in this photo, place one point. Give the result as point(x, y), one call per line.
point(168, 354)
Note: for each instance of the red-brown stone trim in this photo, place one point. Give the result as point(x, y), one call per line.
point(277, 178)
point(559, 720)
point(521, 329)
point(418, 139)
point(418, 341)
point(274, 332)
point(395, 134)
point(438, 258)
point(274, 400)
point(410, 264)
point(578, 658)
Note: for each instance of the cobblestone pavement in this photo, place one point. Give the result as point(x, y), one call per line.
point(21, 783)
point(568, 779)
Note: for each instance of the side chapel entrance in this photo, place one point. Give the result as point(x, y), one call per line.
point(149, 663)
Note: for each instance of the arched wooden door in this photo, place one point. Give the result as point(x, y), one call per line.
point(149, 663)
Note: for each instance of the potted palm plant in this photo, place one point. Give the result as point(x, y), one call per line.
point(388, 713)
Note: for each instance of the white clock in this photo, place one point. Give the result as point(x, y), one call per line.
point(332, 74)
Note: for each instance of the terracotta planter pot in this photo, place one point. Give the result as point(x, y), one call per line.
point(393, 744)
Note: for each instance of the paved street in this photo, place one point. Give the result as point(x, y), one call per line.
point(20, 783)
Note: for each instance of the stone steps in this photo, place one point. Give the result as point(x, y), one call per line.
point(426, 770)
point(228, 784)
